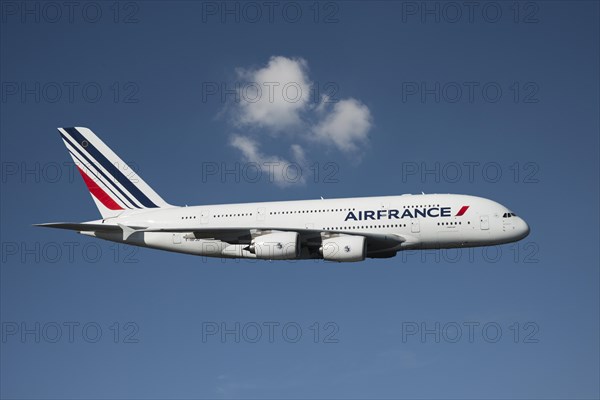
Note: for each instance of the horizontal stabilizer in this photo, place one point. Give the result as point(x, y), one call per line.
point(73, 226)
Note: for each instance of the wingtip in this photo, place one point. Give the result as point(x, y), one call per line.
point(46, 224)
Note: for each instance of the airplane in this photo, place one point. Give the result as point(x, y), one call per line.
point(340, 230)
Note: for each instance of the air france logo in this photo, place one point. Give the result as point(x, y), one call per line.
point(431, 212)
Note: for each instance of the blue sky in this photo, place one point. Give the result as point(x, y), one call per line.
point(499, 101)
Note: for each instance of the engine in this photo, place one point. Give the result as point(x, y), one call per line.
point(276, 246)
point(345, 248)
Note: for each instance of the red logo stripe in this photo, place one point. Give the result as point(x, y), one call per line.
point(98, 193)
point(462, 210)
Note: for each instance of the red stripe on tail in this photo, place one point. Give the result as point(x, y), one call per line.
point(462, 210)
point(98, 193)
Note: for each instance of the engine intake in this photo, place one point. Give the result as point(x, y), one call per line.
point(276, 246)
point(345, 248)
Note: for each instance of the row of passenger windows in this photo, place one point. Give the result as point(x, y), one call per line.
point(339, 228)
point(221, 216)
point(508, 215)
point(313, 211)
point(340, 209)
point(310, 211)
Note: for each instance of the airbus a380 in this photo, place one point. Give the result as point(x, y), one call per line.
point(343, 230)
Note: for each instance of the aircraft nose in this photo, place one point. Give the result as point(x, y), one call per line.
point(523, 229)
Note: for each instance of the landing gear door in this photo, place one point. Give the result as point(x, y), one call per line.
point(484, 222)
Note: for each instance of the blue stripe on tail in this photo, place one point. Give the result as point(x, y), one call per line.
point(93, 164)
point(108, 166)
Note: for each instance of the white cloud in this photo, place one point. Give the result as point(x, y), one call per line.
point(276, 169)
point(298, 154)
point(247, 146)
point(274, 96)
point(325, 100)
point(346, 126)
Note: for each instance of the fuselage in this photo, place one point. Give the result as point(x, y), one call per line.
point(428, 221)
point(343, 230)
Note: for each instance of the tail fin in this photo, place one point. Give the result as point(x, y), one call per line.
point(114, 186)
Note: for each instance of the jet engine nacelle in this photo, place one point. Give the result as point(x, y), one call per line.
point(276, 246)
point(344, 248)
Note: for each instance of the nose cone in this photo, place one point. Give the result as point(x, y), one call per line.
point(522, 229)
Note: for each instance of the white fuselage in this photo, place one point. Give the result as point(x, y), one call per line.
point(422, 222)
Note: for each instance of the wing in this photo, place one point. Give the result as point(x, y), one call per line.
point(376, 242)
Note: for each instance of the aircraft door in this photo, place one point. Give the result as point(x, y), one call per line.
point(176, 238)
point(261, 214)
point(415, 227)
point(484, 222)
point(204, 216)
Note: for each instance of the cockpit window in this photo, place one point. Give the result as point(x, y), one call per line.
point(513, 214)
point(508, 215)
